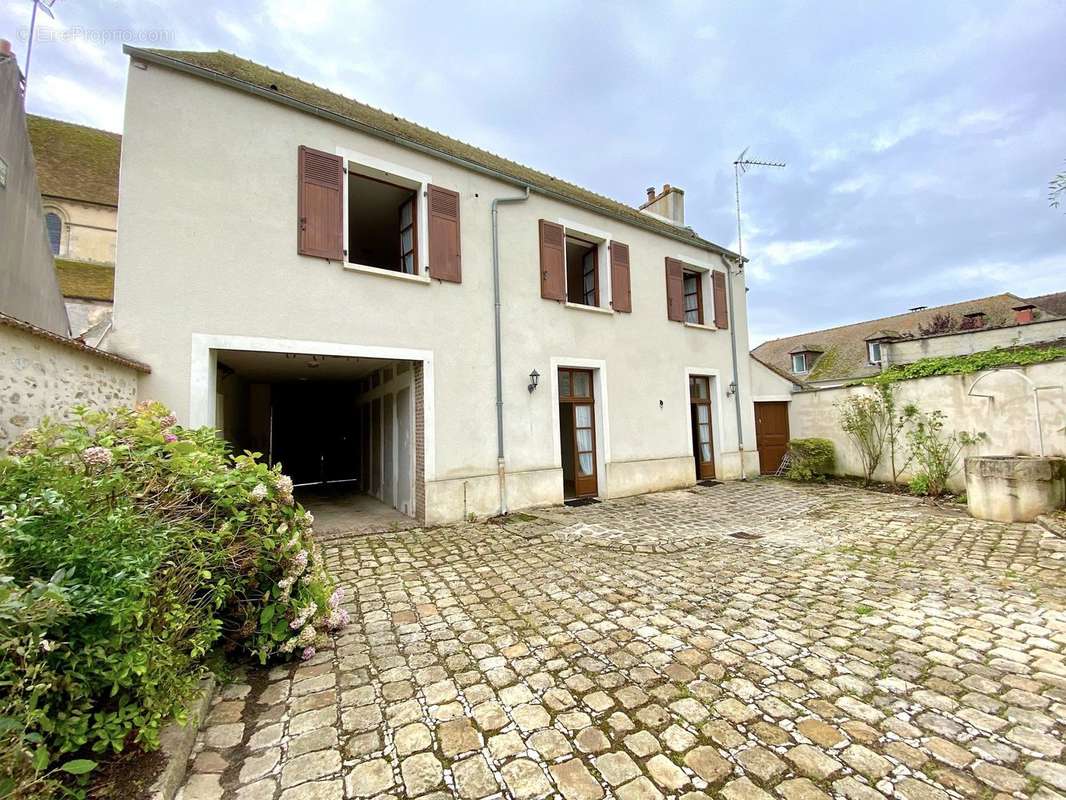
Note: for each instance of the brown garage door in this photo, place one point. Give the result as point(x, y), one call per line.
point(771, 434)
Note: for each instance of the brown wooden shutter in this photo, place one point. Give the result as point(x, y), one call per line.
point(621, 300)
point(320, 212)
point(721, 310)
point(675, 290)
point(445, 257)
point(552, 261)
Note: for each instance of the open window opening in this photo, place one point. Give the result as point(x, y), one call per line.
point(582, 272)
point(382, 224)
point(693, 297)
point(342, 427)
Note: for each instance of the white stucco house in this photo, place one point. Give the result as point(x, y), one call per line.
point(372, 302)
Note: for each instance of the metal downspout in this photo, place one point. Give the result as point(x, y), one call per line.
point(500, 462)
point(736, 372)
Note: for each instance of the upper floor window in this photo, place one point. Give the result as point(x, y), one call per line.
point(693, 283)
point(376, 216)
point(382, 224)
point(582, 272)
point(581, 266)
point(802, 362)
point(873, 350)
point(54, 225)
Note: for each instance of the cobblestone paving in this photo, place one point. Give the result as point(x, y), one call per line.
point(864, 646)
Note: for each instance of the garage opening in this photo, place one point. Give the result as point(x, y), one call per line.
point(342, 427)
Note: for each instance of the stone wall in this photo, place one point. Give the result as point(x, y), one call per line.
point(1007, 416)
point(46, 376)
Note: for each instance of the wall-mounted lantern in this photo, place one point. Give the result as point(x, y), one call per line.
point(731, 389)
point(534, 378)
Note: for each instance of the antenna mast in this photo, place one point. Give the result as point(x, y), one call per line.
point(740, 166)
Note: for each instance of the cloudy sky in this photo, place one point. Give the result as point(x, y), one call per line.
point(920, 136)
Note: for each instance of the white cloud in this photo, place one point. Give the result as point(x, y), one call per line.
point(857, 184)
point(70, 100)
point(779, 254)
point(233, 27)
point(300, 16)
point(982, 278)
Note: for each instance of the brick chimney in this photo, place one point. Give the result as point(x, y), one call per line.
point(1023, 314)
point(972, 321)
point(669, 203)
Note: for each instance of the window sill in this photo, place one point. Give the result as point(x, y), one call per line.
point(700, 327)
point(388, 273)
point(583, 307)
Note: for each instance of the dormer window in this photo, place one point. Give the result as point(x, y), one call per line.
point(803, 362)
point(873, 352)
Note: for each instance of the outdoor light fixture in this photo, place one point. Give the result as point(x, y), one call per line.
point(731, 389)
point(534, 377)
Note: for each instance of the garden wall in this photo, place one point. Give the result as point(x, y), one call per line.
point(45, 375)
point(1008, 417)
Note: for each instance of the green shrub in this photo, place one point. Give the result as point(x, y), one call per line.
point(935, 452)
point(129, 548)
point(810, 459)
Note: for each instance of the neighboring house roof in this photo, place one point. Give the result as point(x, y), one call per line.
point(263, 81)
point(844, 348)
point(1052, 303)
point(75, 162)
point(73, 344)
point(86, 281)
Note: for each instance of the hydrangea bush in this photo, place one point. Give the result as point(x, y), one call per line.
point(129, 549)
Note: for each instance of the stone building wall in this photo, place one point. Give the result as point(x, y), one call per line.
point(1002, 408)
point(46, 376)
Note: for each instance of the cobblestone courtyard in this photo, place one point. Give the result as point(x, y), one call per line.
point(845, 644)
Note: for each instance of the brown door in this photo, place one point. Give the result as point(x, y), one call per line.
point(771, 434)
point(699, 395)
point(577, 432)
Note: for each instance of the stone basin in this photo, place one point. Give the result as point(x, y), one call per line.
point(1014, 488)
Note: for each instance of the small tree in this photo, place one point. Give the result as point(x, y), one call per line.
point(936, 452)
point(941, 322)
point(865, 420)
point(897, 422)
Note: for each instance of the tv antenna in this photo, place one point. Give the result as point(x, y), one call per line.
point(740, 166)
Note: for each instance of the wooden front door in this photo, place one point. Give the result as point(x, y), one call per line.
point(577, 432)
point(771, 434)
point(699, 398)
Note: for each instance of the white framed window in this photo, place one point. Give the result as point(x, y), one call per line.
point(873, 350)
point(587, 267)
point(801, 362)
point(385, 216)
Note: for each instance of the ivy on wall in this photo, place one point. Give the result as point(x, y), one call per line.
point(974, 362)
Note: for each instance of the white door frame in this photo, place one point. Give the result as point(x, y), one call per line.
point(204, 361)
point(603, 427)
point(716, 415)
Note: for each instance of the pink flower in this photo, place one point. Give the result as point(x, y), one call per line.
point(169, 438)
point(336, 598)
point(308, 653)
point(168, 421)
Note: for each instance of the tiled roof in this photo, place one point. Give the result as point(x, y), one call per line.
point(1052, 303)
point(248, 76)
point(844, 355)
point(75, 162)
point(85, 281)
point(73, 344)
